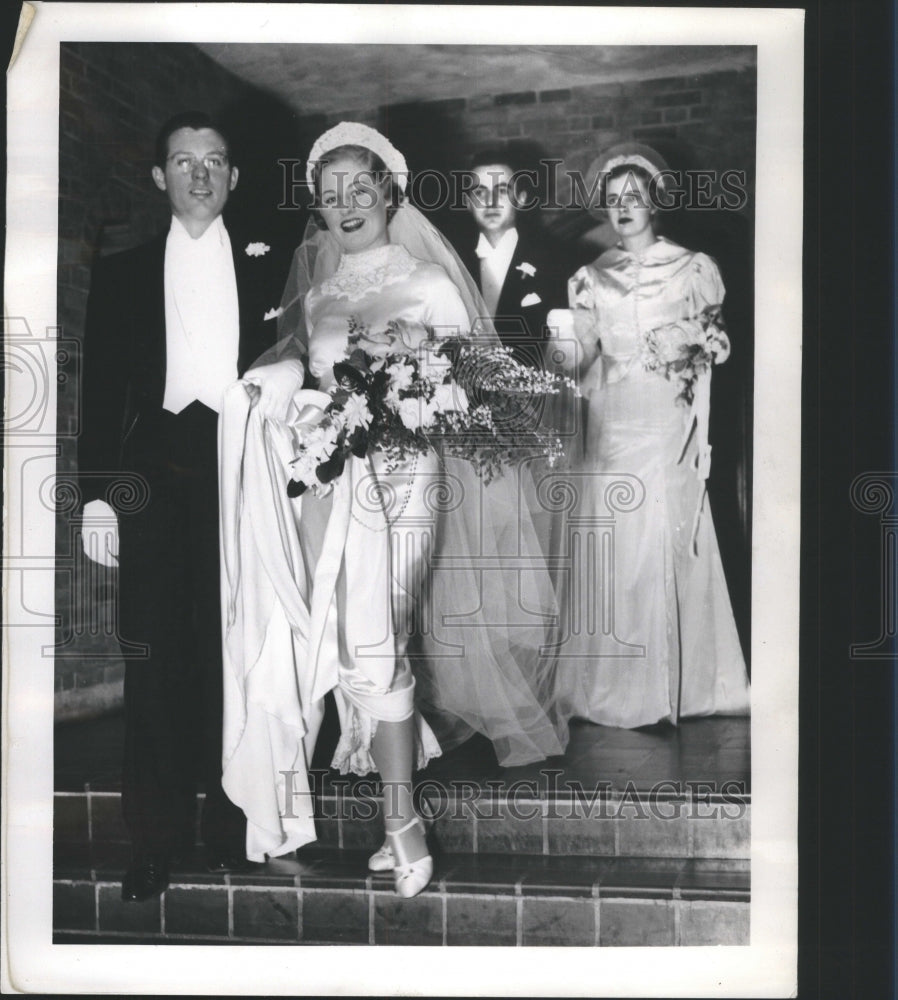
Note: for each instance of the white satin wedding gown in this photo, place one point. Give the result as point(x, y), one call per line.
point(423, 573)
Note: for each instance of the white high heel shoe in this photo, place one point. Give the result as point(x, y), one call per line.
point(409, 877)
point(382, 859)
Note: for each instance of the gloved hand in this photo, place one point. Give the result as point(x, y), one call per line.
point(277, 384)
point(566, 344)
point(99, 533)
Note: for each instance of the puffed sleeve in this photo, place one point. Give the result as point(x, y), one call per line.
point(706, 294)
point(584, 319)
point(581, 289)
point(706, 286)
point(446, 311)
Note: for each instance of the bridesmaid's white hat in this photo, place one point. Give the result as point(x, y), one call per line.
point(633, 154)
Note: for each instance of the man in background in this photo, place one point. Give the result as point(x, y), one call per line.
point(519, 271)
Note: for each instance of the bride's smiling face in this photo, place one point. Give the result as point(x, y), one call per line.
point(353, 205)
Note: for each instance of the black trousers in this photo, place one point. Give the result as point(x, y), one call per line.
point(170, 602)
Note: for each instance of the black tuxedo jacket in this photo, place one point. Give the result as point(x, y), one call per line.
point(526, 297)
point(124, 352)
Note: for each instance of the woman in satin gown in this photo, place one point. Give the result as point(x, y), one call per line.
point(648, 632)
point(349, 588)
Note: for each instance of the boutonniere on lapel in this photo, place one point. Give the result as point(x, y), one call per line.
point(273, 314)
point(257, 250)
point(527, 270)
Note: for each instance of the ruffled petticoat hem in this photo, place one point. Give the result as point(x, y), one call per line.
point(353, 753)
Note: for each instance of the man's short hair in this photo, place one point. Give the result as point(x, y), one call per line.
point(493, 156)
point(188, 119)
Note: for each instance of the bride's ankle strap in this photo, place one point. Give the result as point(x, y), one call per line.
point(408, 826)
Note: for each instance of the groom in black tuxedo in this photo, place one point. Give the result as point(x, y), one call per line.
point(169, 325)
point(521, 275)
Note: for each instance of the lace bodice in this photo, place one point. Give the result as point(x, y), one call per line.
point(374, 287)
point(360, 274)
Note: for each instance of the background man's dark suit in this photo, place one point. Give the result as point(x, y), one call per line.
point(168, 540)
point(522, 327)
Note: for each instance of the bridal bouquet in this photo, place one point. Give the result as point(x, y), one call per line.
point(403, 392)
point(681, 351)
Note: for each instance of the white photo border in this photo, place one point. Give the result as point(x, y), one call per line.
point(765, 968)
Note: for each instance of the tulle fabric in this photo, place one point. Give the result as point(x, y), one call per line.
point(318, 257)
point(478, 653)
point(482, 663)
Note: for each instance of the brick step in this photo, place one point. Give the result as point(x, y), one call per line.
point(492, 821)
point(326, 896)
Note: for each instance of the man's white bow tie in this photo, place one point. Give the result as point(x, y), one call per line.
point(484, 248)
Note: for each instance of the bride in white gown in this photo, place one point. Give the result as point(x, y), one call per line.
point(419, 566)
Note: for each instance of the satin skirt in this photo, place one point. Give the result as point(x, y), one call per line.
point(381, 590)
point(647, 630)
point(307, 598)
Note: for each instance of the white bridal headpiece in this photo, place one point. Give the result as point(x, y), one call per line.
point(318, 256)
point(357, 134)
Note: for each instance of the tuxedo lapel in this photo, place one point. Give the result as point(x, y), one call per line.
point(244, 294)
point(507, 303)
point(248, 272)
point(148, 316)
point(469, 258)
point(513, 286)
point(260, 285)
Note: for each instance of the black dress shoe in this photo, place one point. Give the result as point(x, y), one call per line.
point(222, 861)
point(146, 878)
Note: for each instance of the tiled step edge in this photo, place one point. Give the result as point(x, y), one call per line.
point(672, 827)
point(329, 898)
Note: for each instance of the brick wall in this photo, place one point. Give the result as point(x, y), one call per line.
point(704, 121)
point(113, 99)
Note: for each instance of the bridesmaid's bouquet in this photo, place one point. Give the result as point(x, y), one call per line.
point(683, 350)
point(402, 392)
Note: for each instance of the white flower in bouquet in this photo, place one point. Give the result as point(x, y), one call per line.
point(356, 412)
point(416, 413)
point(432, 366)
point(401, 376)
point(408, 336)
point(303, 467)
point(399, 337)
point(319, 442)
point(683, 349)
point(376, 344)
point(450, 396)
point(718, 344)
point(667, 344)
